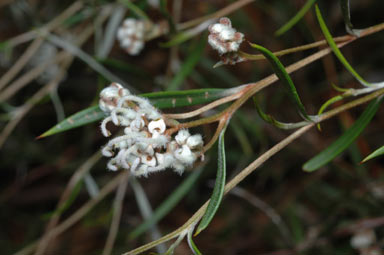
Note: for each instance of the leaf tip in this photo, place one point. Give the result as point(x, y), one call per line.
point(197, 232)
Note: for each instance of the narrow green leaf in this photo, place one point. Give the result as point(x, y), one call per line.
point(81, 118)
point(161, 100)
point(174, 99)
point(167, 205)
point(192, 244)
point(376, 153)
point(218, 190)
point(188, 65)
point(336, 50)
point(299, 15)
point(328, 103)
point(284, 77)
point(343, 141)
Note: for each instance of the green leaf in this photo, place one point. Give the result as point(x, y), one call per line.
point(376, 153)
point(336, 50)
point(192, 244)
point(161, 100)
point(188, 65)
point(280, 71)
point(174, 99)
point(343, 141)
point(81, 118)
point(327, 104)
point(218, 190)
point(299, 15)
point(168, 204)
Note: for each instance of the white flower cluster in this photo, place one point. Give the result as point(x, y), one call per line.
point(131, 35)
point(223, 38)
point(145, 146)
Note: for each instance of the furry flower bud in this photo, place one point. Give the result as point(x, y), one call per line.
point(223, 37)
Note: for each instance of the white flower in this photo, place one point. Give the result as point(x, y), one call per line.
point(145, 146)
point(148, 160)
point(185, 155)
point(110, 96)
point(195, 141)
point(131, 35)
point(223, 37)
point(182, 136)
point(156, 127)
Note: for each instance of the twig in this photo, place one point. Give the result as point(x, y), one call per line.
point(21, 62)
point(220, 13)
point(23, 110)
point(296, 49)
point(87, 59)
point(21, 82)
point(117, 210)
point(77, 5)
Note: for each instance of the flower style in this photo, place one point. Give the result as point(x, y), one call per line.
point(145, 146)
point(223, 37)
point(131, 35)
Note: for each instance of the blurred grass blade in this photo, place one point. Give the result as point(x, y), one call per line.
point(136, 10)
point(72, 197)
point(186, 35)
point(336, 50)
point(376, 153)
point(89, 60)
point(164, 11)
point(192, 244)
point(167, 205)
point(284, 77)
point(218, 190)
point(343, 141)
point(346, 11)
point(81, 118)
point(161, 100)
point(299, 15)
point(188, 65)
point(178, 39)
point(124, 66)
